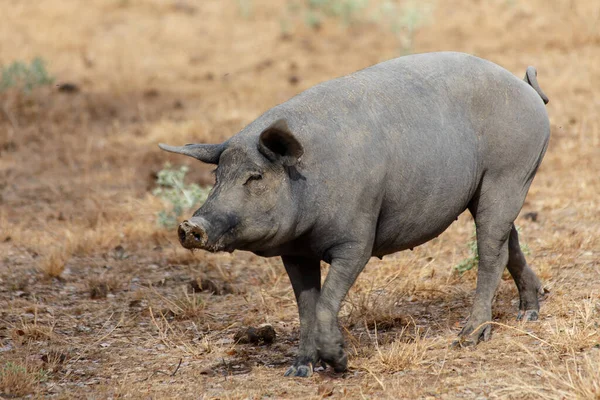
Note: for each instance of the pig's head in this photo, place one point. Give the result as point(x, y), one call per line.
point(251, 206)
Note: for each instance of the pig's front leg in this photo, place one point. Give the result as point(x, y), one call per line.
point(347, 262)
point(305, 276)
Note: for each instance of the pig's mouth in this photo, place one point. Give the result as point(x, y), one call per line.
point(257, 244)
point(198, 234)
point(219, 246)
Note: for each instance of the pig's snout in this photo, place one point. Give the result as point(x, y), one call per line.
point(192, 234)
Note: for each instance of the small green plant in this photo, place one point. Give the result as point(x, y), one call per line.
point(404, 21)
point(245, 7)
point(348, 11)
point(313, 19)
point(27, 77)
point(17, 380)
point(402, 18)
point(179, 196)
point(473, 260)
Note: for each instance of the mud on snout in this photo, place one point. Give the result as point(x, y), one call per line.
point(199, 233)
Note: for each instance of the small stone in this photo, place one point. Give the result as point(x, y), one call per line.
point(98, 290)
point(264, 334)
point(204, 285)
point(293, 80)
point(68, 88)
point(532, 216)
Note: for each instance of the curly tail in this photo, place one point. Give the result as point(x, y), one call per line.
point(531, 78)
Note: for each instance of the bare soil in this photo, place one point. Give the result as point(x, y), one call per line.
point(97, 300)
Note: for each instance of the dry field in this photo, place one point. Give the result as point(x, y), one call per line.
point(95, 297)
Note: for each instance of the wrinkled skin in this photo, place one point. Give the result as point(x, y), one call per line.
point(376, 162)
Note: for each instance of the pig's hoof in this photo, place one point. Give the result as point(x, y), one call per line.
point(528, 315)
point(339, 362)
point(470, 336)
point(461, 343)
point(300, 370)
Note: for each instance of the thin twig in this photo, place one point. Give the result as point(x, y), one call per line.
point(375, 376)
point(177, 369)
point(513, 328)
point(10, 118)
point(437, 378)
point(163, 372)
point(226, 368)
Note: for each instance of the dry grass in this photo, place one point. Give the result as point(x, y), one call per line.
point(183, 305)
point(374, 308)
point(53, 264)
point(17, 380)
point(580, 379)
point(405, 352)
point(579, 332)
point(577, 378)
point(100, 287)
point(77, 171)
point(32, 332)
point(28, 332)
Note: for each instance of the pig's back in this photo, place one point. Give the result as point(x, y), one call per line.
point(405, 140)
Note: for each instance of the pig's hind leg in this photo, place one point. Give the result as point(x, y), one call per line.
point(494, 208)
point(526, 280)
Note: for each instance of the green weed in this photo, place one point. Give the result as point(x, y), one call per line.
point(176, 194)
point(17, 380)
point(473, 260)
point(245, 7)
point(23, 76)
point(401, 18)
point(404, 21)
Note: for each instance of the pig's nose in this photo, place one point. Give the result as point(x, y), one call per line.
point(192, 235)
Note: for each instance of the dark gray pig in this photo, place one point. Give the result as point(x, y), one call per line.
point(375, 162)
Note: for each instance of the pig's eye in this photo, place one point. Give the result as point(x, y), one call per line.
point(256, 176)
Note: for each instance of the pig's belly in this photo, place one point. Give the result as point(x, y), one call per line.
point(397, 231)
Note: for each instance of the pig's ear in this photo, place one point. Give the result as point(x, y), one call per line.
point(208, 153)
point(279, 144)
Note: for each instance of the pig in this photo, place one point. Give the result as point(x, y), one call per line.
point(372, 163)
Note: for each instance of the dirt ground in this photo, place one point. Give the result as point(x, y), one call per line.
point(96, 299)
